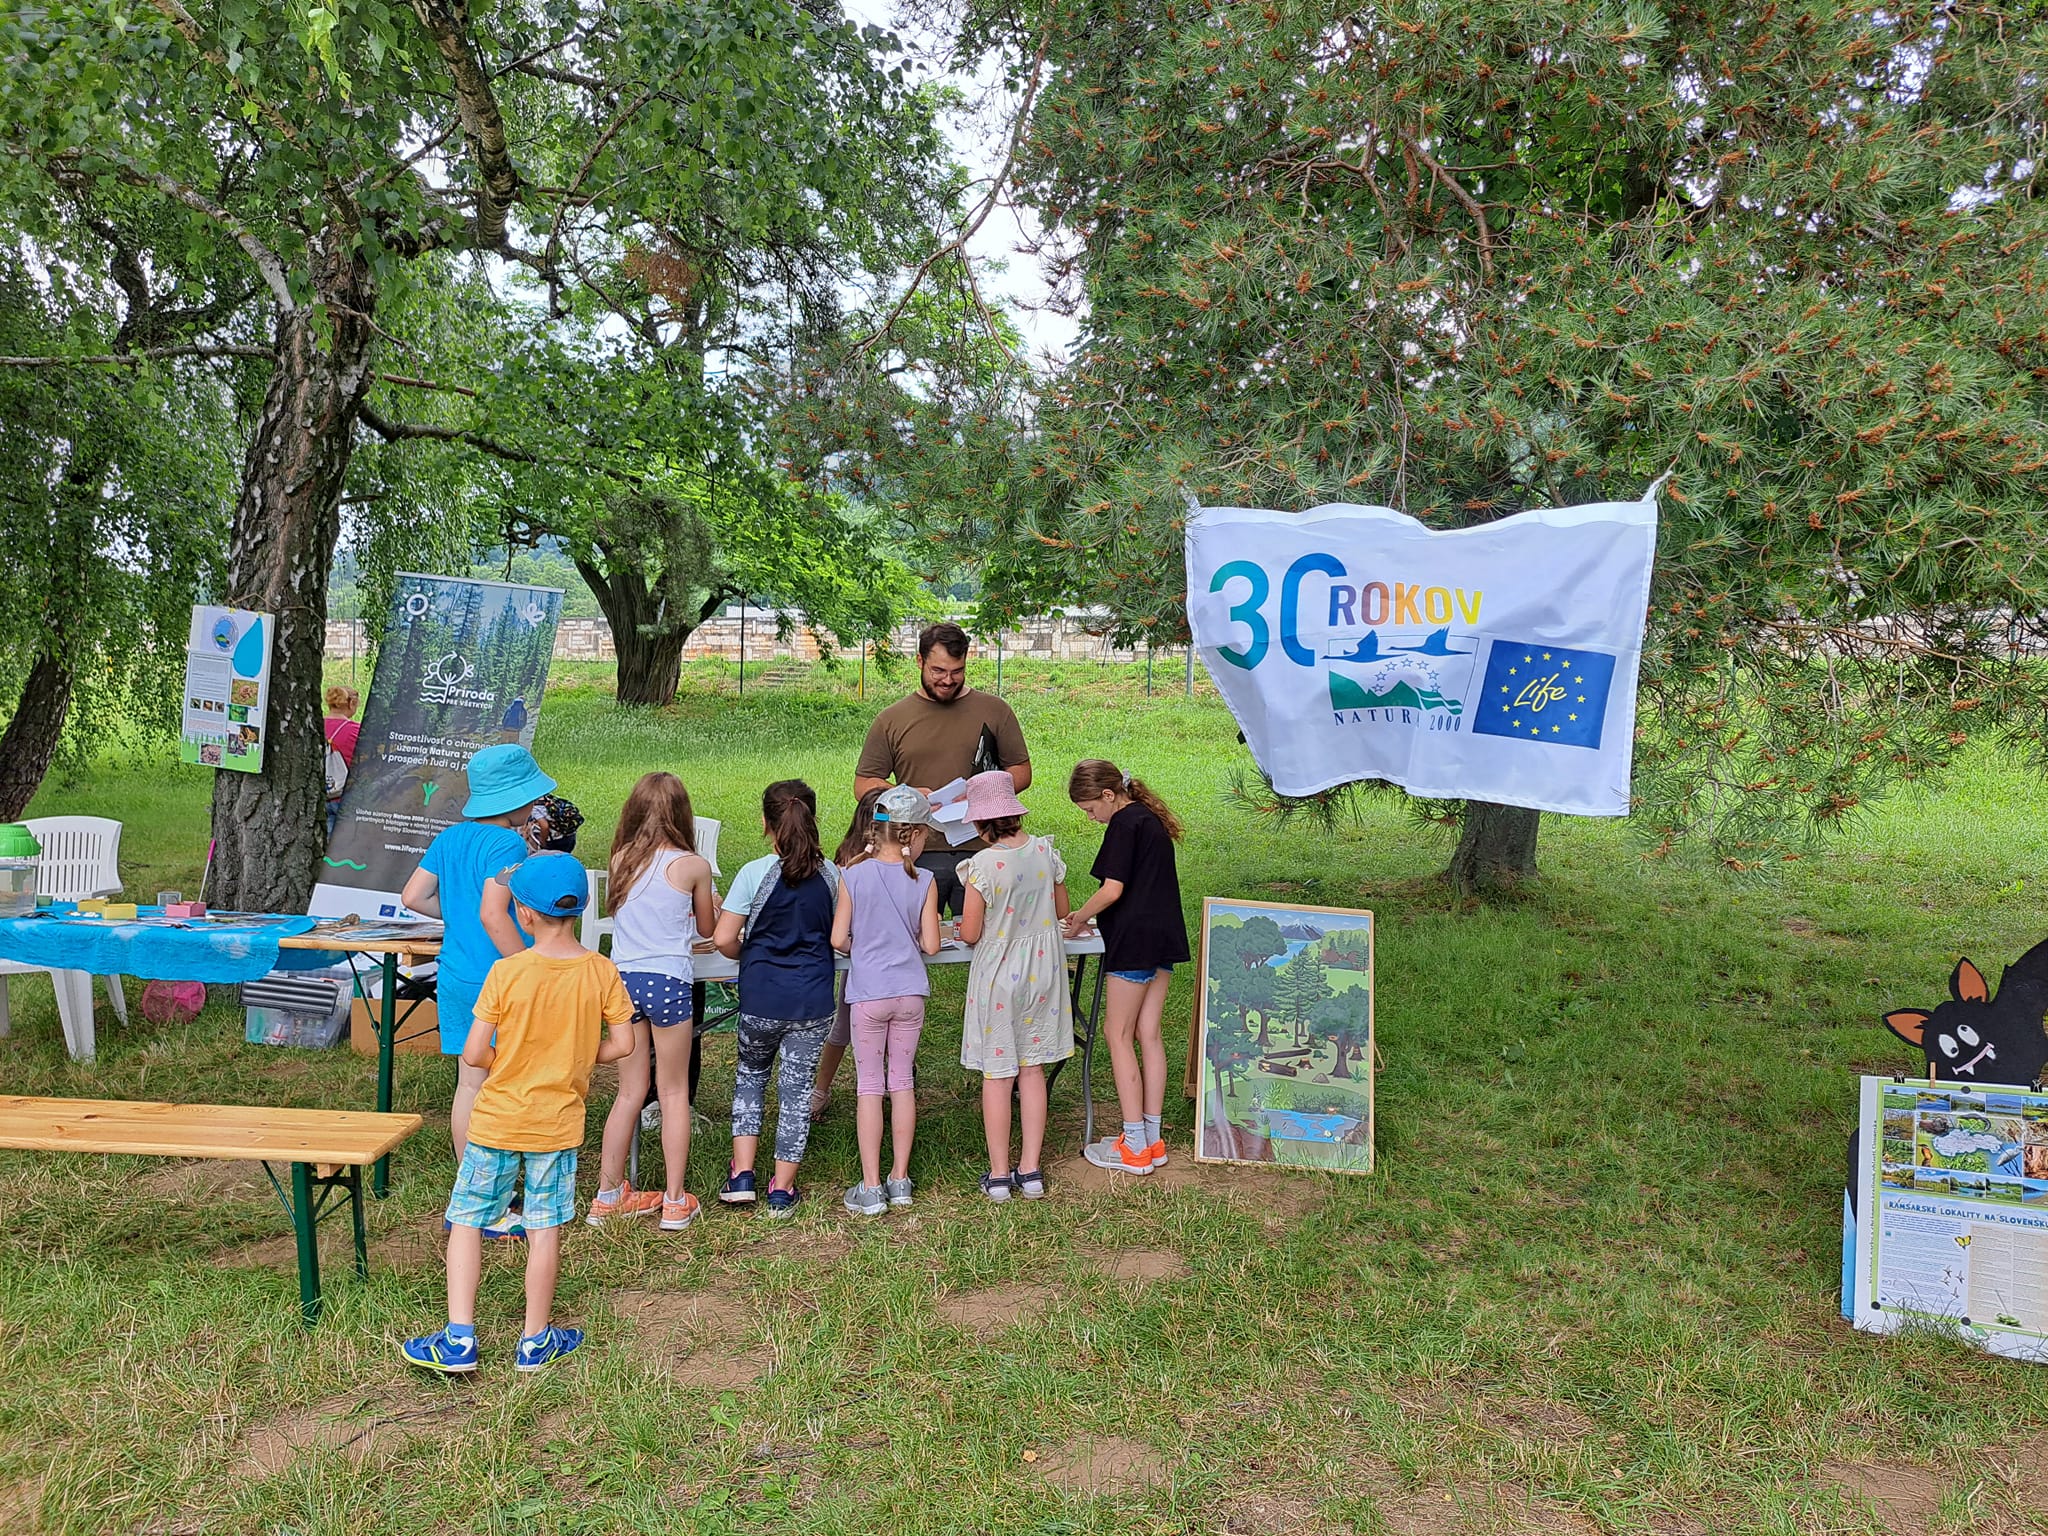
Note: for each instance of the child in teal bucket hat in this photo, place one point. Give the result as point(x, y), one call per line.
point(462, 881)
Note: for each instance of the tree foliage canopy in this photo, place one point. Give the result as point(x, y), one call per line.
point(392, 200)
point(1466, 260)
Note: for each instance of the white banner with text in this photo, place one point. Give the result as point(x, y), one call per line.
point(1488, 663)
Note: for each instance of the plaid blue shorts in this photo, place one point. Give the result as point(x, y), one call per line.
point(487, 1177)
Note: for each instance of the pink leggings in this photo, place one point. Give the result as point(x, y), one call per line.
point(885, 1032)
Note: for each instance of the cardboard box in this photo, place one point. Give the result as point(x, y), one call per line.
point(421, 1023)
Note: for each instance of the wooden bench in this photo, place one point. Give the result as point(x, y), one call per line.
point(327, 1150)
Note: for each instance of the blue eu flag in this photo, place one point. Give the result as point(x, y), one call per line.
point(1544, 692)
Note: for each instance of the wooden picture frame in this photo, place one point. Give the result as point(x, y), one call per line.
point(1266, 1100)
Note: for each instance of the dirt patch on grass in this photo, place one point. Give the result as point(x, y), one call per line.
point(2025, 1475)
point(1099, 1464)
point(1273, 1192)
point(1138, 1266)
point(1529, 1420)
point(421, 1243)
point(805, 1245)
point(279, 1253)
point(1270, 1514)
point(19, 1503)
point(358, 1426)
point(1481, 1509)
point(205, 1181)
point(996, 1308)
point(699, 1337)
point(1902, 1496)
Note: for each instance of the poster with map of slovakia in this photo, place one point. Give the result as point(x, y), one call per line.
point(1283, 1042)
point(1951, 1229)
point(1491, 663)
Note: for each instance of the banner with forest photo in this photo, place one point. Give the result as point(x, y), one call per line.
point(462, 666)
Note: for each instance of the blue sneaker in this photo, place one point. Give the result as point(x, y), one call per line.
point(782, 1202)
point(439, 1352)
point(738, 1188)
point(545, 1348)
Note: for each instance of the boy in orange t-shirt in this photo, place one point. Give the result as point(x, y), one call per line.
point(546, 1007)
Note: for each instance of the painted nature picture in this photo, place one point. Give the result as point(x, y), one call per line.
point(1285, 1064)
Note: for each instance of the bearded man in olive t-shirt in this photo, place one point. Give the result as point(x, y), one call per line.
point(944, 731)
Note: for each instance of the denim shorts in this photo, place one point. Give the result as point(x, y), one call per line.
point(1142, 977)
point(487, 1177)
point(662, 1000)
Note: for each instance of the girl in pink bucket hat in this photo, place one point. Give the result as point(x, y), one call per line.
point(1018, 1015)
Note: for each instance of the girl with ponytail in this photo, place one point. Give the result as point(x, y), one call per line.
point(777, 923)
point(1144, 935)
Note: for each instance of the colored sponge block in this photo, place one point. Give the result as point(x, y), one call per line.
point(185, 909)
point(119, 911)
point(93, 906)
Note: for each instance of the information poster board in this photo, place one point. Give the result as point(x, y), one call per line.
point(1282, 1056)
point(225, 716)
point(462, 666)
point(1951, 1226)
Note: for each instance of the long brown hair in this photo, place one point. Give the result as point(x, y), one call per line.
point(656, 815)
point(854, 846)
point(790, 807)
point(1096, 777)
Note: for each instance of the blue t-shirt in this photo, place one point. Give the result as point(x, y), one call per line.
point(462, 858)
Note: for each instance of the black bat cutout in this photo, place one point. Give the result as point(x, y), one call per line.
point(1977, 1037)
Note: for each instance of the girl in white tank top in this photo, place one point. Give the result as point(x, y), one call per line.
point(655, 925)
point(661, 899)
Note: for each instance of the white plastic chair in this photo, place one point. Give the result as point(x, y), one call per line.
point(81, 859)
point(594, 927)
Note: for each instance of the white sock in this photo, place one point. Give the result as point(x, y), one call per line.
point(1151, 1129)
point(611, 1194)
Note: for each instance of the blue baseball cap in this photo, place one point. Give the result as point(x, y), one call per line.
point(554, 884)
point(504, 778)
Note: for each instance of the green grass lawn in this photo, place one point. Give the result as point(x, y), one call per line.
point(1591, 1286)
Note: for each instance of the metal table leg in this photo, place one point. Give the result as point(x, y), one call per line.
point(354, 1179)
point(303, 1219)
point(1088, 1050)
point(387, 1050)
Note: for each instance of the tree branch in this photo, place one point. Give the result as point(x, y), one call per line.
point(267, 265)
point(134, 359)
point(405, 431)
point(1470, 203)
point(483, 125)
point(411, 383)
point(958, 244)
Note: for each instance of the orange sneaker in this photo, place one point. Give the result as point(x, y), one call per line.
point(627, 1202)
point(1118, 1156)
point(678, 1214)
point(1157, 1152)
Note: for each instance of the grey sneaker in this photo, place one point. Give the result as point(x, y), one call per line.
point(865, 1200)
point(997, 1189)
point(897, 1191)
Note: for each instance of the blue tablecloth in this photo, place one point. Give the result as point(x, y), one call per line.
point(218, 953)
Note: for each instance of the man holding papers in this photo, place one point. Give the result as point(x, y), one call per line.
point(935, 740)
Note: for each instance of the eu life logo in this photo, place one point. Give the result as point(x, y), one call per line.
point(1547, 693)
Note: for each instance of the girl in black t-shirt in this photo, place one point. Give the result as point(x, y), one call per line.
point(1144, 935)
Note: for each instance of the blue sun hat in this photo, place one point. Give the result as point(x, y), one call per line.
point(504, 778)
point(555, 884)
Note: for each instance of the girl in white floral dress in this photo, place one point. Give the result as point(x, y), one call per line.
point(1019, 1018)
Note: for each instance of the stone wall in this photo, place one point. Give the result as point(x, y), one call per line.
point(1053, 637)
